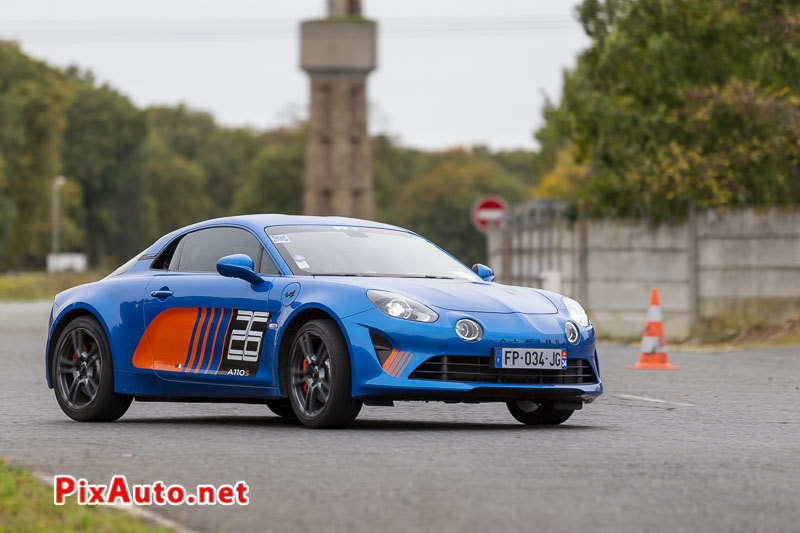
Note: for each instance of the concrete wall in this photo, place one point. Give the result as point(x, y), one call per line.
point(748, 267)
point(717, 272)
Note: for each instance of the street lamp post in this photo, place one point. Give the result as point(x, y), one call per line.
point(57, 183)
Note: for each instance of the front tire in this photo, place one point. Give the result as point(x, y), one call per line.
point(83, 374)
point(538, 414)
point(319, 377)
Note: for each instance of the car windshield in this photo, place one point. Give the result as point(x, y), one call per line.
point(360, 251)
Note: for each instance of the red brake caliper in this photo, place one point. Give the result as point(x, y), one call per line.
point(305, 385)
point(75, 354)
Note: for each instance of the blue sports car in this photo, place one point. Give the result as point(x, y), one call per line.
point(314, 316)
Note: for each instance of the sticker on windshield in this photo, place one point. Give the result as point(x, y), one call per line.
point(302, 264)
point(279, 239)
point(299, 257)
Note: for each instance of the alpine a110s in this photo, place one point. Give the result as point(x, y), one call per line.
point(314, 317)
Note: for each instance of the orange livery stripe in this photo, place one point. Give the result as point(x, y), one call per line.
point(405, 363)
point(388, 362)
point(197, 339)
point(396, 363)
point(214, 345)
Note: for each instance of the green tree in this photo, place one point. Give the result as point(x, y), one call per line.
point(33, 98)
point(222, 153)
point(679, 101)
point(71, 234)
point(7, 211)
point(104, 133)
point(274, 177)
point(175, 188)
point(392, 168)
point(437, 203)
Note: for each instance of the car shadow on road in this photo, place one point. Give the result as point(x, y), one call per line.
point(438, 425)
point(271, 422)
point(215, 420)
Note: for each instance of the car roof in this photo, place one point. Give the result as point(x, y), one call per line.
point(257, 223)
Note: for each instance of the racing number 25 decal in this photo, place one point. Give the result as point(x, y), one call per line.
point(243, 342)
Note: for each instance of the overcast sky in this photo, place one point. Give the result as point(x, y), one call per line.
point(451, 72)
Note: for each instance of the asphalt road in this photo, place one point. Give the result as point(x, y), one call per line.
point(721, 453)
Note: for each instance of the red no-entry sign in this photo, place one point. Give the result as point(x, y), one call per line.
point(488, 211)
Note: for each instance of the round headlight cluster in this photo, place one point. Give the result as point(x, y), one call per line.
point(572, 333)
point(469, 330)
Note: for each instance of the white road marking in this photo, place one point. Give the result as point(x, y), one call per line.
point(654, 400)
point(134, 510)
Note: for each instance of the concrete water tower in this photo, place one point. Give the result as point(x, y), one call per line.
point(338, 52)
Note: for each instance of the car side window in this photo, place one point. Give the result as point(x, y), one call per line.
point(176, 255)
point(165, 258)
point(200, 250)
point(268, 266)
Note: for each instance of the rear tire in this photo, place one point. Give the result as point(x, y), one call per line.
point(538, 414)
point(82, 374)
point(318, 377)
point(282, 408)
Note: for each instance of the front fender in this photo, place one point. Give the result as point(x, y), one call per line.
point(65, 314)
point(116, 303)
point(336, 300)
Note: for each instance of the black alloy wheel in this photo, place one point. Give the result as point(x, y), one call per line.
point(83, 374)
point(319, 377)
point(78, 369)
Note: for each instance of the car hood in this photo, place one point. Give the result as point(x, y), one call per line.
point(460, 295)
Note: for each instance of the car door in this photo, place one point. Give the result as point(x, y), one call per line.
point(204, 327)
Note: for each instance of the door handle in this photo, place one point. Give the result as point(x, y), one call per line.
point(162, 294)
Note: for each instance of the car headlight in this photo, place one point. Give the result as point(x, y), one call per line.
point(576, 311)
point(469, 330)
point(571, 331)
point(397, 306)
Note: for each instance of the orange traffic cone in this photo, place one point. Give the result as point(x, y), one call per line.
point(654, 347)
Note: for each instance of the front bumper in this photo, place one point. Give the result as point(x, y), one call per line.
point(417, 343)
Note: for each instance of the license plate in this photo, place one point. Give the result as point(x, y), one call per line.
point(543, 358)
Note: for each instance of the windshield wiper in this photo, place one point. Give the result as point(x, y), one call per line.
point(423, 276)
point(376, 275)
point(353, 274)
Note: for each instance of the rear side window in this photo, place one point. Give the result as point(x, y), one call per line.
point(200, 250)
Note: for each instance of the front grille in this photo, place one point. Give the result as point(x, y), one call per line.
point(477, 369)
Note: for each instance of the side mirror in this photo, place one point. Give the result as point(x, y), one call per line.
point(483, 272)
point(239, 266)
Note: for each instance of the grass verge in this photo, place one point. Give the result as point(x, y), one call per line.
point(28, 286)
point(26, 504)
point(786, 333)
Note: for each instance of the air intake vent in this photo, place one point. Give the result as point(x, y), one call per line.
point(383, 348)
point(477, 369)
